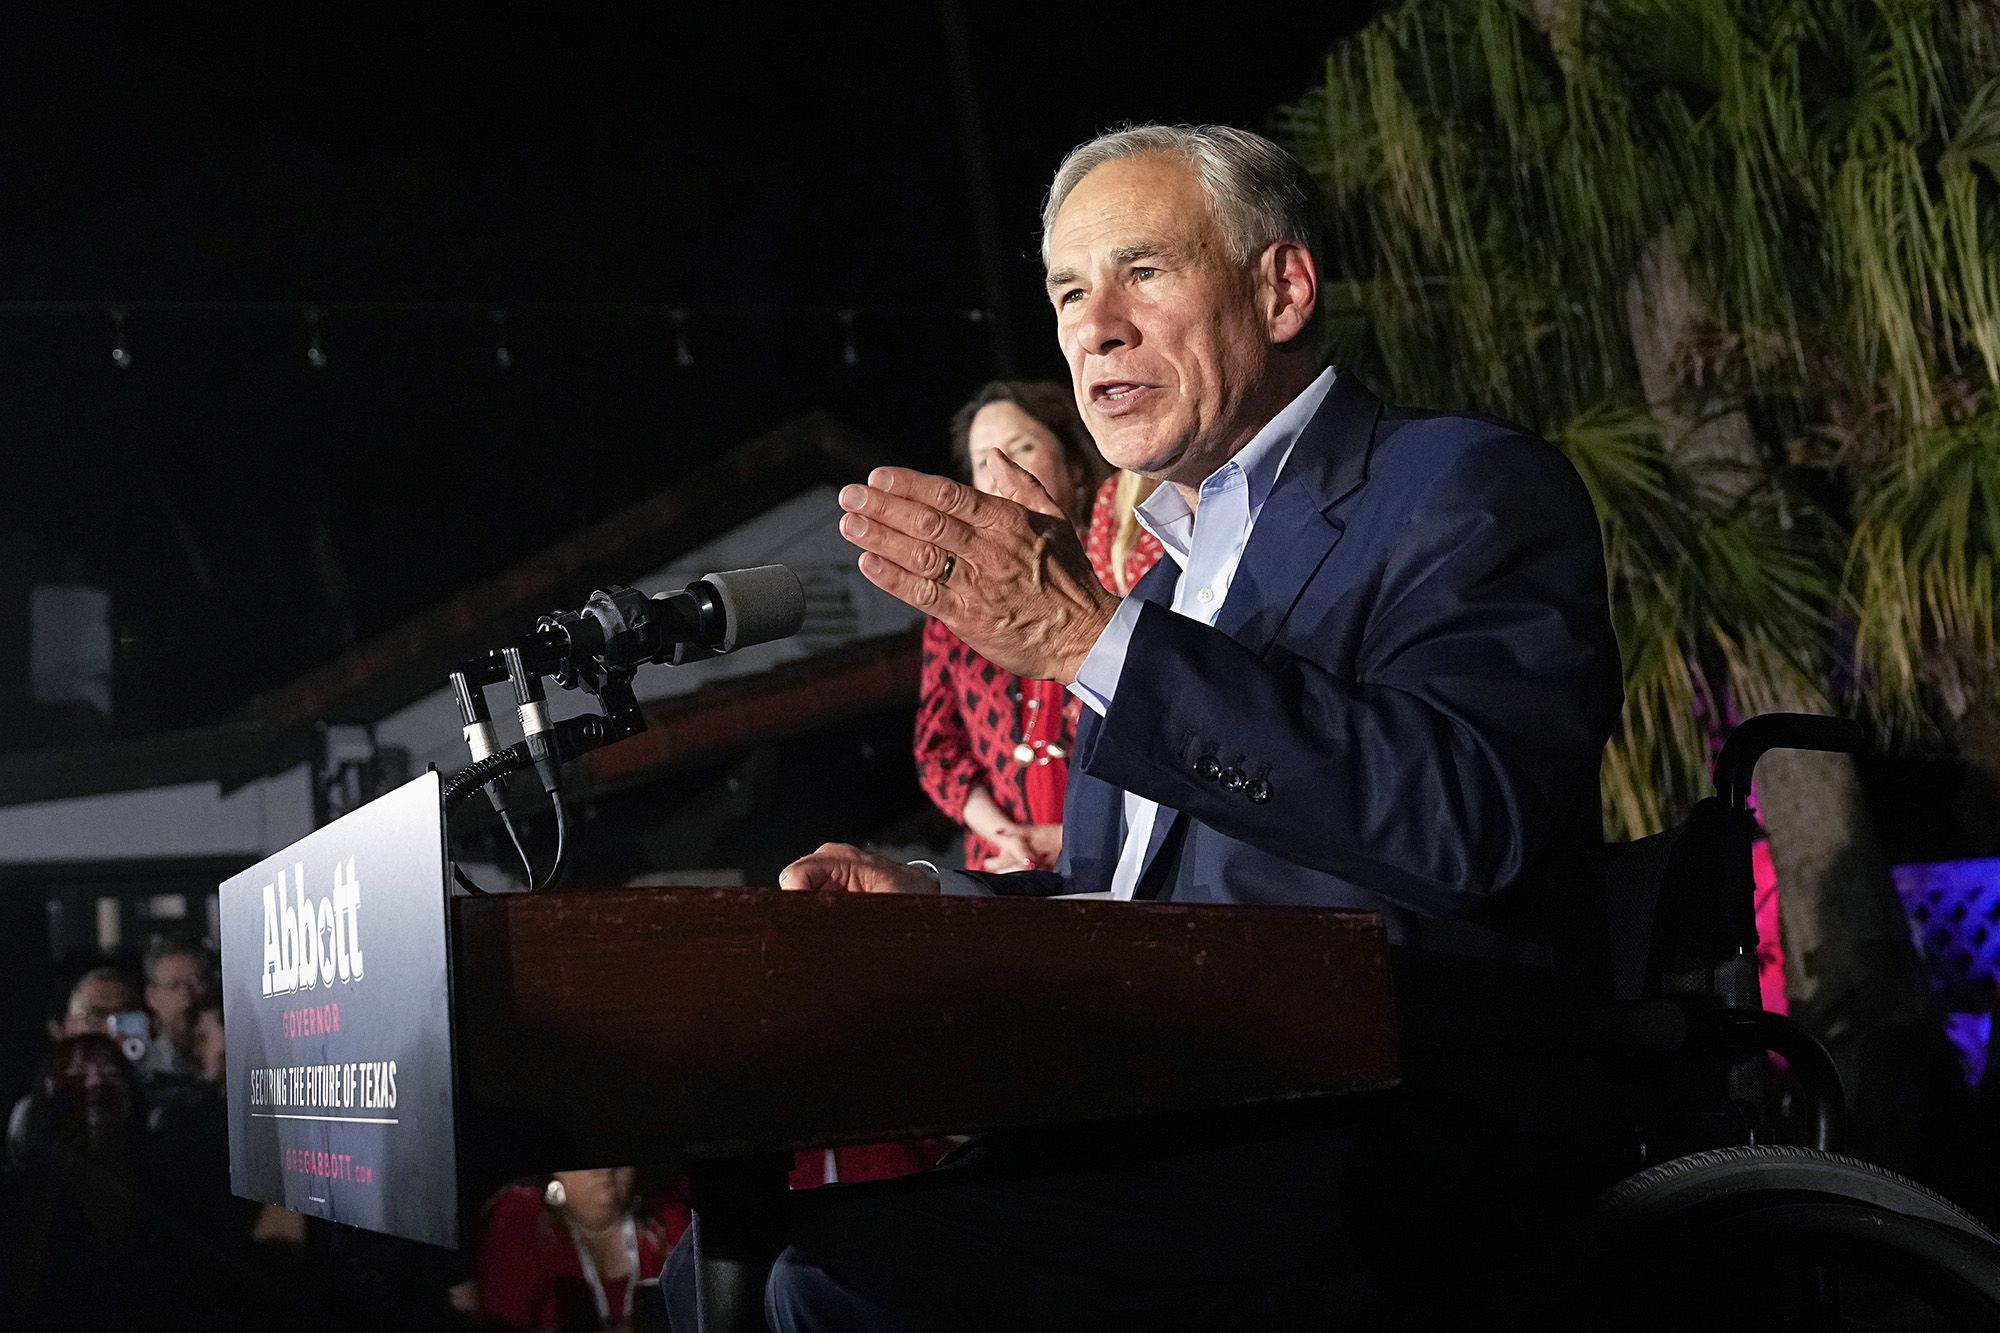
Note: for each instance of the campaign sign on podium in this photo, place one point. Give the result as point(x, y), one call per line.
point(337, 999)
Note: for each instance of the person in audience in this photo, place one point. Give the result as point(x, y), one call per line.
point(95, 999)
point(67, 1222)
point(180, 975)
point(992, 749)
point(85, 1102)
point(1120, 550)
point(211, 1056)
point(98, 996)
point(568, 1252)
point(115, 1212)
point(187, 1134)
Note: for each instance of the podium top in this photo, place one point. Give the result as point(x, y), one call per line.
point(606, 1026)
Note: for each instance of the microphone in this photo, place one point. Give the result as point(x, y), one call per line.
point(759, 605)
point(621, 628)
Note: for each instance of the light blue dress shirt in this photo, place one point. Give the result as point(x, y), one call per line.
point(1207, 543)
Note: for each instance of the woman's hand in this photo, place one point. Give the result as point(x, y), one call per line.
point(1025, 846)
point(1022, 846)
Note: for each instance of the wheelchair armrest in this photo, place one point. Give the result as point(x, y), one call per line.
point(1779, 731)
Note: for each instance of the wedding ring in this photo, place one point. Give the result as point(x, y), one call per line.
point(950, 563)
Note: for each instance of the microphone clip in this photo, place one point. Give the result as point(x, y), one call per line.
point(621, 629)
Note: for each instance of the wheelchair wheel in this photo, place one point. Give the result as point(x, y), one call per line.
point(1786, 1238)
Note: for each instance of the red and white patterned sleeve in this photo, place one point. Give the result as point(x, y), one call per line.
point(945, 763)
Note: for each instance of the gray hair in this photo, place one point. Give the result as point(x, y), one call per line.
point(164, 947)
point(1257, 191)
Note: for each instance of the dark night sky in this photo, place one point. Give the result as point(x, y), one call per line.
point(252, 516)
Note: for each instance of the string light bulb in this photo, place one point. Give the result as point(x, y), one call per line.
point(315, 350)
point(313, 316)
point(503, 355)
point(683, 356)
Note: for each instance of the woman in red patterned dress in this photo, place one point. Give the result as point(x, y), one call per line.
point(992, 749)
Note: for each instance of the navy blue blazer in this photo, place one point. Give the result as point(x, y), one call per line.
point(1401, 708)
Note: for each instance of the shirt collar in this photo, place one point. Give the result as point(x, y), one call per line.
point(1165, 513)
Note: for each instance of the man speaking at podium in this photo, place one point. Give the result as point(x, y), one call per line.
point(1377, 673)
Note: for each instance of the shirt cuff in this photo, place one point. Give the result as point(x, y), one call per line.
point(1097, 679)
point(954, 884)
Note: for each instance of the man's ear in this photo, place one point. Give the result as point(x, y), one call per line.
point(1290, 281)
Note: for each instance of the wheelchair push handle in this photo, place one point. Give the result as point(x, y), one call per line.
point(1779, 731)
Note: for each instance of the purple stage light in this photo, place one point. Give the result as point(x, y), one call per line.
point(1954, 913)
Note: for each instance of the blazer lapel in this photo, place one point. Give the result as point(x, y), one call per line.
point(1294, 532)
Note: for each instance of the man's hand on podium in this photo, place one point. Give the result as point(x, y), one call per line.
point(839, 868)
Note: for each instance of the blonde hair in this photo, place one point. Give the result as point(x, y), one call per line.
point(1131, 492)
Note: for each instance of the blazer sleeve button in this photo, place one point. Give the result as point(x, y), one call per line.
point(1233, 779)
point(1259, 791)
point(1208, 768)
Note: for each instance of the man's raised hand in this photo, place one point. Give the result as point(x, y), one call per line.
point(1004, 572)
point(839, 868)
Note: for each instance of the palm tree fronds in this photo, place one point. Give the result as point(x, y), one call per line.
point(1919, 580)
point(1827, 174)
point(1707, 590)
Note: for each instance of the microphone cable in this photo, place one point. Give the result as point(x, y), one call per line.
point(562, 841)
point(474, 776)
point(514, 836)
point(527, 862)
point(494, 768)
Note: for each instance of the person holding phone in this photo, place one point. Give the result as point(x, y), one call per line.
point(98, 996)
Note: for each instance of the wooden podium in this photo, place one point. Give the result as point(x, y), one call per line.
point(720, 1029)
point(396, 1052)
point(610, 1026)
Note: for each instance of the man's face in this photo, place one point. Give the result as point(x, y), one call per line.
point(178, 982)
point(92, 1004)
point(1160, 325)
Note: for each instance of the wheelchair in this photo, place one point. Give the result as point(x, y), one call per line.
point(1725, 1226)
